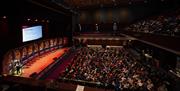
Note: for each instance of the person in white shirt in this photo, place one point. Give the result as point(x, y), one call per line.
point(97, 28)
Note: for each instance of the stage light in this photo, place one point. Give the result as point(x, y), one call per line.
point(4, 17)
point(36, 20)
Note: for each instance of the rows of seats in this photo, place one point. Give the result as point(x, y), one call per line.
point(109, 66)
point(162, 24)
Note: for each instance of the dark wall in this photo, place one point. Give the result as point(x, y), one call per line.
point(15, 14)
point(125, 15)
point(55, 24)
point(105, 15)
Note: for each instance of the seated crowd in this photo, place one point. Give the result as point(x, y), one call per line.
point(163, 24)
point(108, 65)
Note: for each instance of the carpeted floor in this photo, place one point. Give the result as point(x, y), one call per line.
point(40, 63)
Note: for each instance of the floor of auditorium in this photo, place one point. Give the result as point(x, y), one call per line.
point(41, 62)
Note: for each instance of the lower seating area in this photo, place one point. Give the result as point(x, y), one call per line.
point(114, 67)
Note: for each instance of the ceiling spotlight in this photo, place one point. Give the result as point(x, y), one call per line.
point(28, 19)
point(4, 17)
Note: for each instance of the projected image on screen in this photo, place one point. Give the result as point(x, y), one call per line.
point(31, 33)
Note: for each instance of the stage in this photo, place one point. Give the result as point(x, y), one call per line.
point(39, 63)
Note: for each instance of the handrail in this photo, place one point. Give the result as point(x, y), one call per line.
point(83, 81)
point(87, 83)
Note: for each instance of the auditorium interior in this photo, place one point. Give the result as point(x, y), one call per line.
point(90, 45)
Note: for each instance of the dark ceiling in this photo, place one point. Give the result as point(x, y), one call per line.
point(67, 7)
point(86, 4)
point(101, 3)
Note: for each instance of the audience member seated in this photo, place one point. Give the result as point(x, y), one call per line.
point(109, 65)
point(163, 24)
